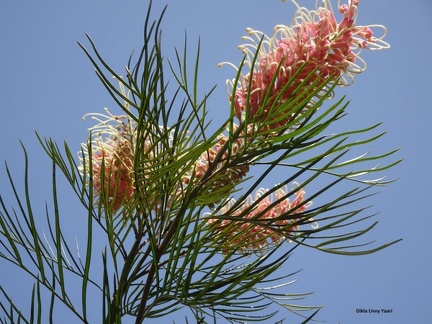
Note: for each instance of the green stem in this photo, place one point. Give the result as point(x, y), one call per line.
point(122, 283)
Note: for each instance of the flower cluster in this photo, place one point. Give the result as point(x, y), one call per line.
point(266, 219)
point(227, 174)
point(111, 159)
point(297, 60)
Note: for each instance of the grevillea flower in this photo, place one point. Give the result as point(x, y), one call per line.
point(260, 223)
point(316, 48)
point(111, 158)
point(227, 175)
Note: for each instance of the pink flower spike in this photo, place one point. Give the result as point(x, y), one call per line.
point(315, 41)
point(266, 226)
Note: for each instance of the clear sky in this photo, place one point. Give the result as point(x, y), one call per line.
point(47, 85)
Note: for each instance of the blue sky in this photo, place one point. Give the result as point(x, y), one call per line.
point(47, 85)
